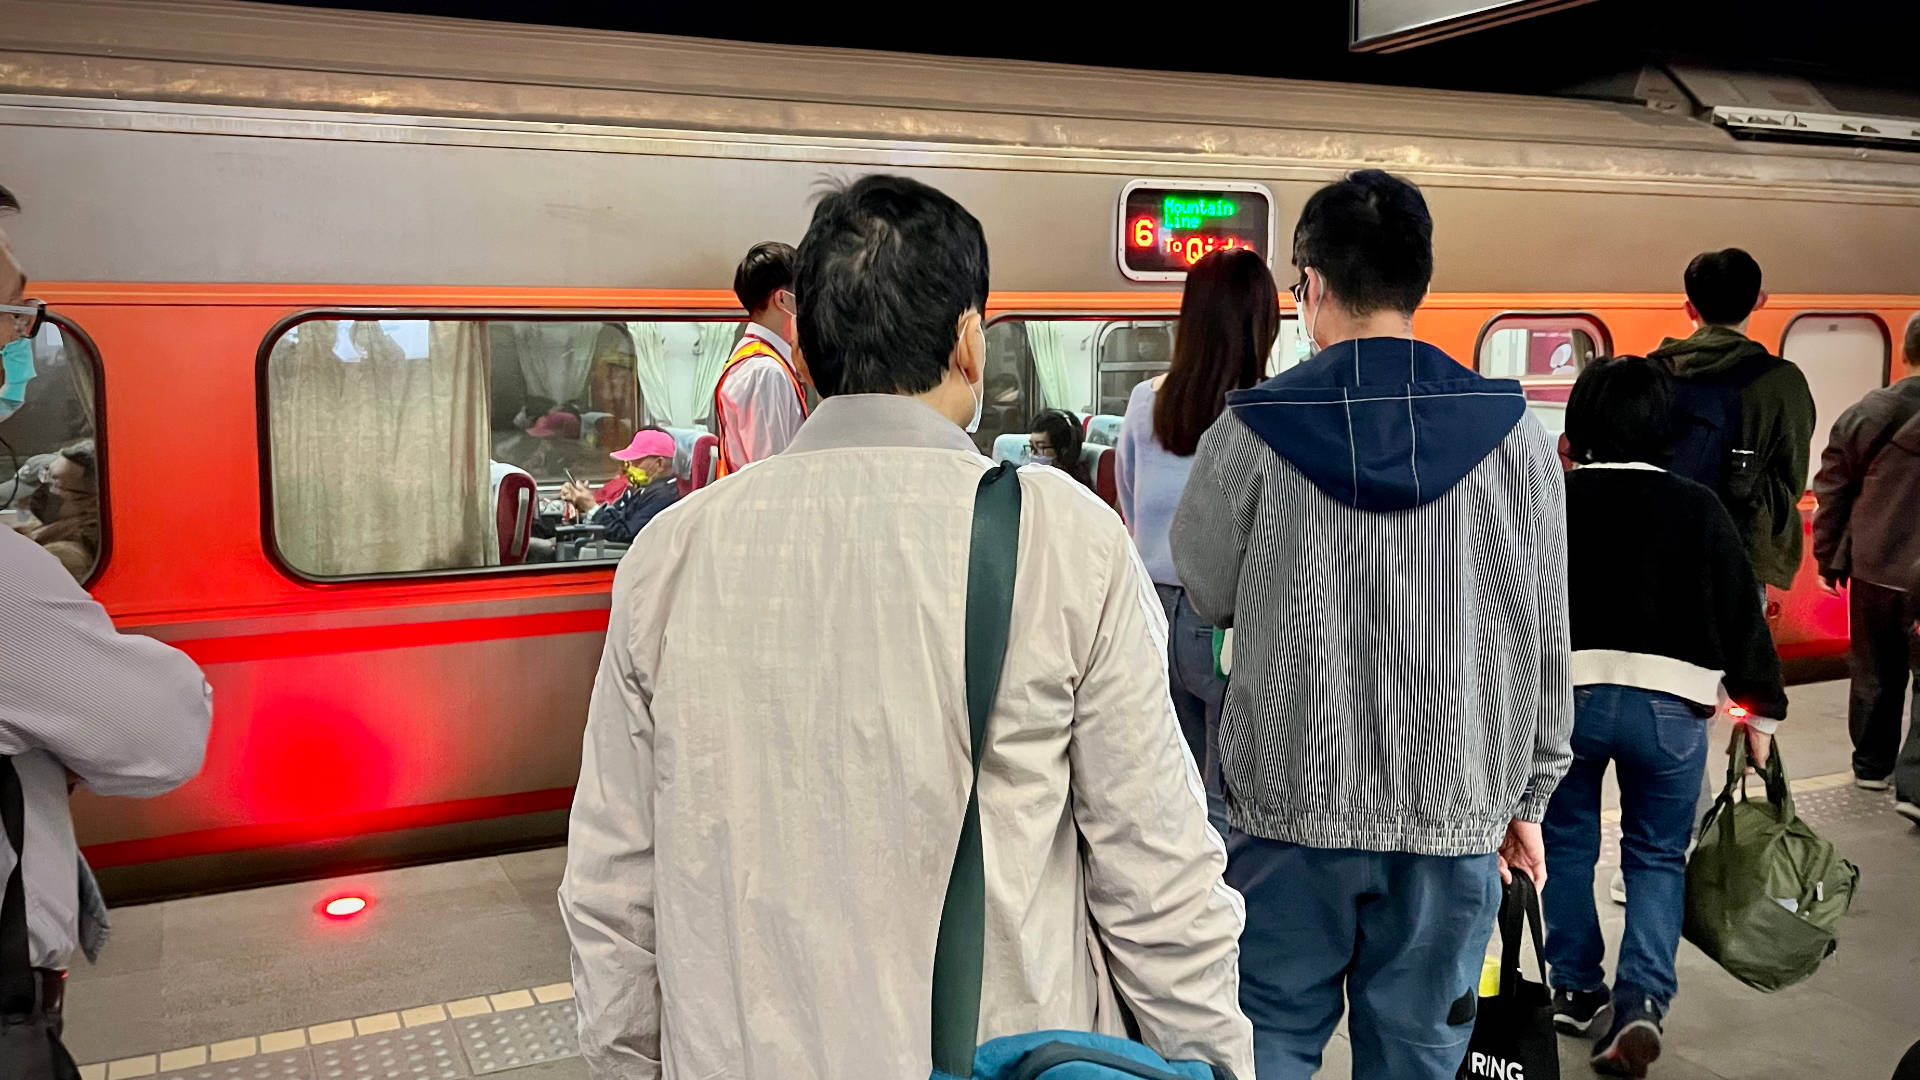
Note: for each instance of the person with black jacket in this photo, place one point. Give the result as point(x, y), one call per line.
point(1865, 538)
point(1664, 628)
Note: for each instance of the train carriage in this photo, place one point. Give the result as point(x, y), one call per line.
point(367, 268)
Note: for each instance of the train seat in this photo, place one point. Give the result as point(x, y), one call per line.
point(1103, 429)
point(514, 498)
point(705, 452)
point(1012, 447)
point(1100, 462)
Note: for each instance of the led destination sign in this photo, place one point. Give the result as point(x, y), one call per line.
point(1165, 229)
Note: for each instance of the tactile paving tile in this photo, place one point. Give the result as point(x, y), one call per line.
point(507, 1040)
point(421, 1053)
point(288, 1065)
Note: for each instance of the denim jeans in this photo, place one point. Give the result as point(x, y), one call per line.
point(1395, 937)
point(1197, 693)
point(1658, 744)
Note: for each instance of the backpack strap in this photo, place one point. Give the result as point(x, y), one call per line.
point(957, 953)
point(17, 996)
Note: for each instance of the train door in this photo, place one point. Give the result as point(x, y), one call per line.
point(1843, 356)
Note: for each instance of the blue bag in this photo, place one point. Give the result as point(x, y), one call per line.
point(1043, 1055)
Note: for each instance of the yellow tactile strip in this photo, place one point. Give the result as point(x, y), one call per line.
point(188, 1057)
point(1803, 786)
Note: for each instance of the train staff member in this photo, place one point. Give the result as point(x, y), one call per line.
point(647, 465)
point(1865, 532)
point(1664, 625)
point(1229, 316)
point(121, 713)
point(1392, 526)
point(776, 767)
point(760, 401)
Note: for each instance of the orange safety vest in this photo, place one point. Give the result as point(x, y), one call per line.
point(748, 348)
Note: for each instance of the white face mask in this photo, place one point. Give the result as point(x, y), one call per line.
point(979, 404)
point(1040, 459)
point(1306, 340)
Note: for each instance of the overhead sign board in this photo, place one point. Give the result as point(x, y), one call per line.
point(1165, 226)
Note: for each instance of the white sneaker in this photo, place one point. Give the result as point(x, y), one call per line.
point(1617, 888)
point(1867, 784)
point(1907, 810)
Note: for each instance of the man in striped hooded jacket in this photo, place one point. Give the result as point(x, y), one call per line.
point(1386, 532)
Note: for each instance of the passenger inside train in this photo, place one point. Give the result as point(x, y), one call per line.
point(646, 485)
point(65, 509)
point(1056, 438)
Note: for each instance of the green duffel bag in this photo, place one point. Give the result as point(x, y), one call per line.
point(1764, 891)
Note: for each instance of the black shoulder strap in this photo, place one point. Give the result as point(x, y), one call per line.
point(16, 970)
point(956, 955)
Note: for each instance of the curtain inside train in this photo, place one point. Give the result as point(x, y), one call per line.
point(714, 344)
point(1062, 361)
point(555, 357)
point(379, 439)
point(651, 352)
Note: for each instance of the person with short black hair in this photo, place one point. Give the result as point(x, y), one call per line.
point(1664, 628)
point(1229, 317)
point(760, 399)
point(776, 762)
point(1865, 539)
point(1056, 438)
point(1390, 526)
point(1746, 415)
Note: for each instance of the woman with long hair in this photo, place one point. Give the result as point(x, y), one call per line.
point(1055, 438)
point(1229, 318)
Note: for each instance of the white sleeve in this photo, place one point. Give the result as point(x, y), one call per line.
point(1154, 866)
point(769, 409)
point(127, 714)
point(607, 893)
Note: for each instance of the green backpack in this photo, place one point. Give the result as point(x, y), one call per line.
point(1764, 891)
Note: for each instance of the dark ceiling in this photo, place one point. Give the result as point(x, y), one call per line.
point(1594, 49)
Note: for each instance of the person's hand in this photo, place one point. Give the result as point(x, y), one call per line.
point(1759, 744)
point(1833, 584)
point(1523, 850)
point(578, 496)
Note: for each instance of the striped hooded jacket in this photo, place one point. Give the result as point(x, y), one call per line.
point(1386, 532)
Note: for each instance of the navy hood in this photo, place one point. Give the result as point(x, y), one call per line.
point(1381, 424)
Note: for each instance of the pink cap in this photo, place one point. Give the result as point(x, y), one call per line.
point(556, 424)
point(646, 444)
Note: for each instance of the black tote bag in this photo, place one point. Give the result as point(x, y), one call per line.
point(29, 1047)
point(1513, 1035)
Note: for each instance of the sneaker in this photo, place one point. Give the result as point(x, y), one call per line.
point(1632, 1043)
point(1574, 1011)
point(1617, 888)
point(1866, 783)
point(1907, 810)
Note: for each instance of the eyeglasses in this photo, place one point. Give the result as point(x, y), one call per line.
point(28, 316)
point(1299, 289)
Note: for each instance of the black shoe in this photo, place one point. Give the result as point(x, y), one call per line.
point(1632, 1043)
point(1574, 1011)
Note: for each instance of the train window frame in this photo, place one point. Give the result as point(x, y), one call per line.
point(1587, 320)
point(1886, 335)
point(102, 481)
point(1114, 318)
point(269, 538)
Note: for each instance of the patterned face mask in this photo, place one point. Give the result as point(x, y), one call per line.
point(638, 476)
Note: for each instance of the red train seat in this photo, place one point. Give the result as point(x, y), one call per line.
point(513, 504)
point(700, 469)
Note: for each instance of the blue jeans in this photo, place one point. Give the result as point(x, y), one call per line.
point(1658, 743)
point(1397, 936)
point(1198, 693)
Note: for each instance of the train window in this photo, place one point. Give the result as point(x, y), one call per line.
point(408, 445)
point(52, 488)
point(1085, 364)
point(1546, 353)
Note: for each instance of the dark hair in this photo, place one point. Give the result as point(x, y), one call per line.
point(1371, 237)
point(8, 204)
point(767, 269)
point(1229, 316)
point(1723, 285)
point(1621, 410)
point(1063, 430)
point(1910, 346)
point(888, 267)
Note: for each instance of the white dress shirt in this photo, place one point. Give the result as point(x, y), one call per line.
point(125, 713)
point(775, 771)
point(762, 413)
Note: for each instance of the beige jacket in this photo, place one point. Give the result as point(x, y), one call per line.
point(775, 771)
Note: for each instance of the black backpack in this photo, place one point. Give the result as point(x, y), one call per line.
point(1706, 432)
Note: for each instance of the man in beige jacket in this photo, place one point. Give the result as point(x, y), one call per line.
point(775, 766)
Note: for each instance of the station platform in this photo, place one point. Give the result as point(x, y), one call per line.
point(460, 969)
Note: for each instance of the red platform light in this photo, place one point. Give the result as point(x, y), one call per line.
point(344, 907)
